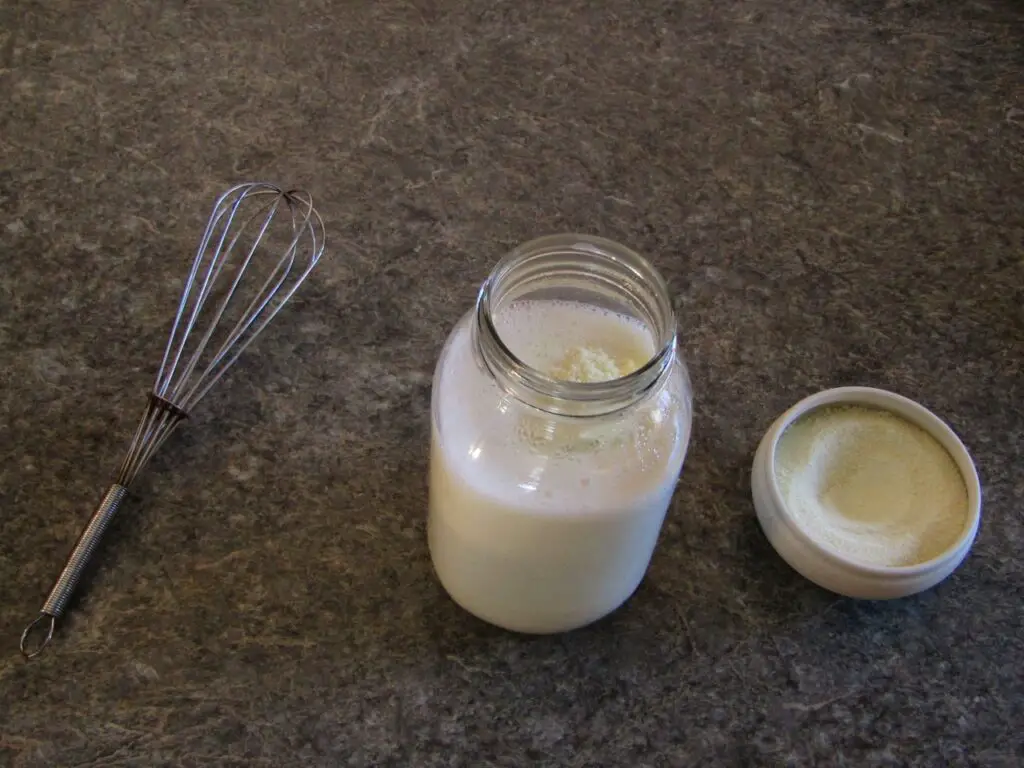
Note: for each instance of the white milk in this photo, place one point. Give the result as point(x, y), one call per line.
point(538, 523)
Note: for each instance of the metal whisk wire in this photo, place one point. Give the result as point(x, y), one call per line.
point(195, 357)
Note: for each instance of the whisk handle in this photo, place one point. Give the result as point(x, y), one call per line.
point(64, 586)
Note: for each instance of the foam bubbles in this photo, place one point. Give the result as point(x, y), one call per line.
point(543, 334)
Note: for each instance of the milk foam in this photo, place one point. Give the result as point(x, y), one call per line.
point(543, 333)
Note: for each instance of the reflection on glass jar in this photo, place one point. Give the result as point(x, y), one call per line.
point(561, 415)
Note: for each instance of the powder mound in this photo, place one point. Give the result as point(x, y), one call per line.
point(588, 365)
point(871, 485)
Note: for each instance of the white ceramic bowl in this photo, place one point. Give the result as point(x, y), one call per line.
point(829, 569)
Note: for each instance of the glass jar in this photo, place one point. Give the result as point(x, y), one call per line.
point(560, 418)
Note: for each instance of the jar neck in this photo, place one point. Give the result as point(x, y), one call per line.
point(589, 270)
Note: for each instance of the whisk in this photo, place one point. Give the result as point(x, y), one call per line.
point(204, 342)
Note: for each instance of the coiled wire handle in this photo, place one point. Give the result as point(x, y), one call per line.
point(64, 587)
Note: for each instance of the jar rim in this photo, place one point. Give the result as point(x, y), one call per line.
point(623, 269)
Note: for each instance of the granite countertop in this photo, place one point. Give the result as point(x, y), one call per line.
point(834, 190)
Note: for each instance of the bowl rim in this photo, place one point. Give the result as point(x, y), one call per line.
point(911, 411)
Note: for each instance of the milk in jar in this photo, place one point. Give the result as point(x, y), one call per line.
point(560, 421)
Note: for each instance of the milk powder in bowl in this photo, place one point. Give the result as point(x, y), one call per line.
point(866, 493)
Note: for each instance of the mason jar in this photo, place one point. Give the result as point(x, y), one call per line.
point(560, 418)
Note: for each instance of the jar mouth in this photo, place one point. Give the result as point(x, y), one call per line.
point(610, 276)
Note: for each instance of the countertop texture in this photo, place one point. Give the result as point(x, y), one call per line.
point(834, 190)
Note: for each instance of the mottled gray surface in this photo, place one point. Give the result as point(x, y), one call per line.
point(834, 189)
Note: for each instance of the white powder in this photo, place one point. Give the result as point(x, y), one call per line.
point(587, 364)
point(871, 485)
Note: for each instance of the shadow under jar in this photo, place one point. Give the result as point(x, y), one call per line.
point(561, 415)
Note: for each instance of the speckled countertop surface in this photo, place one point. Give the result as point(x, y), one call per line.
point(834, 189)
